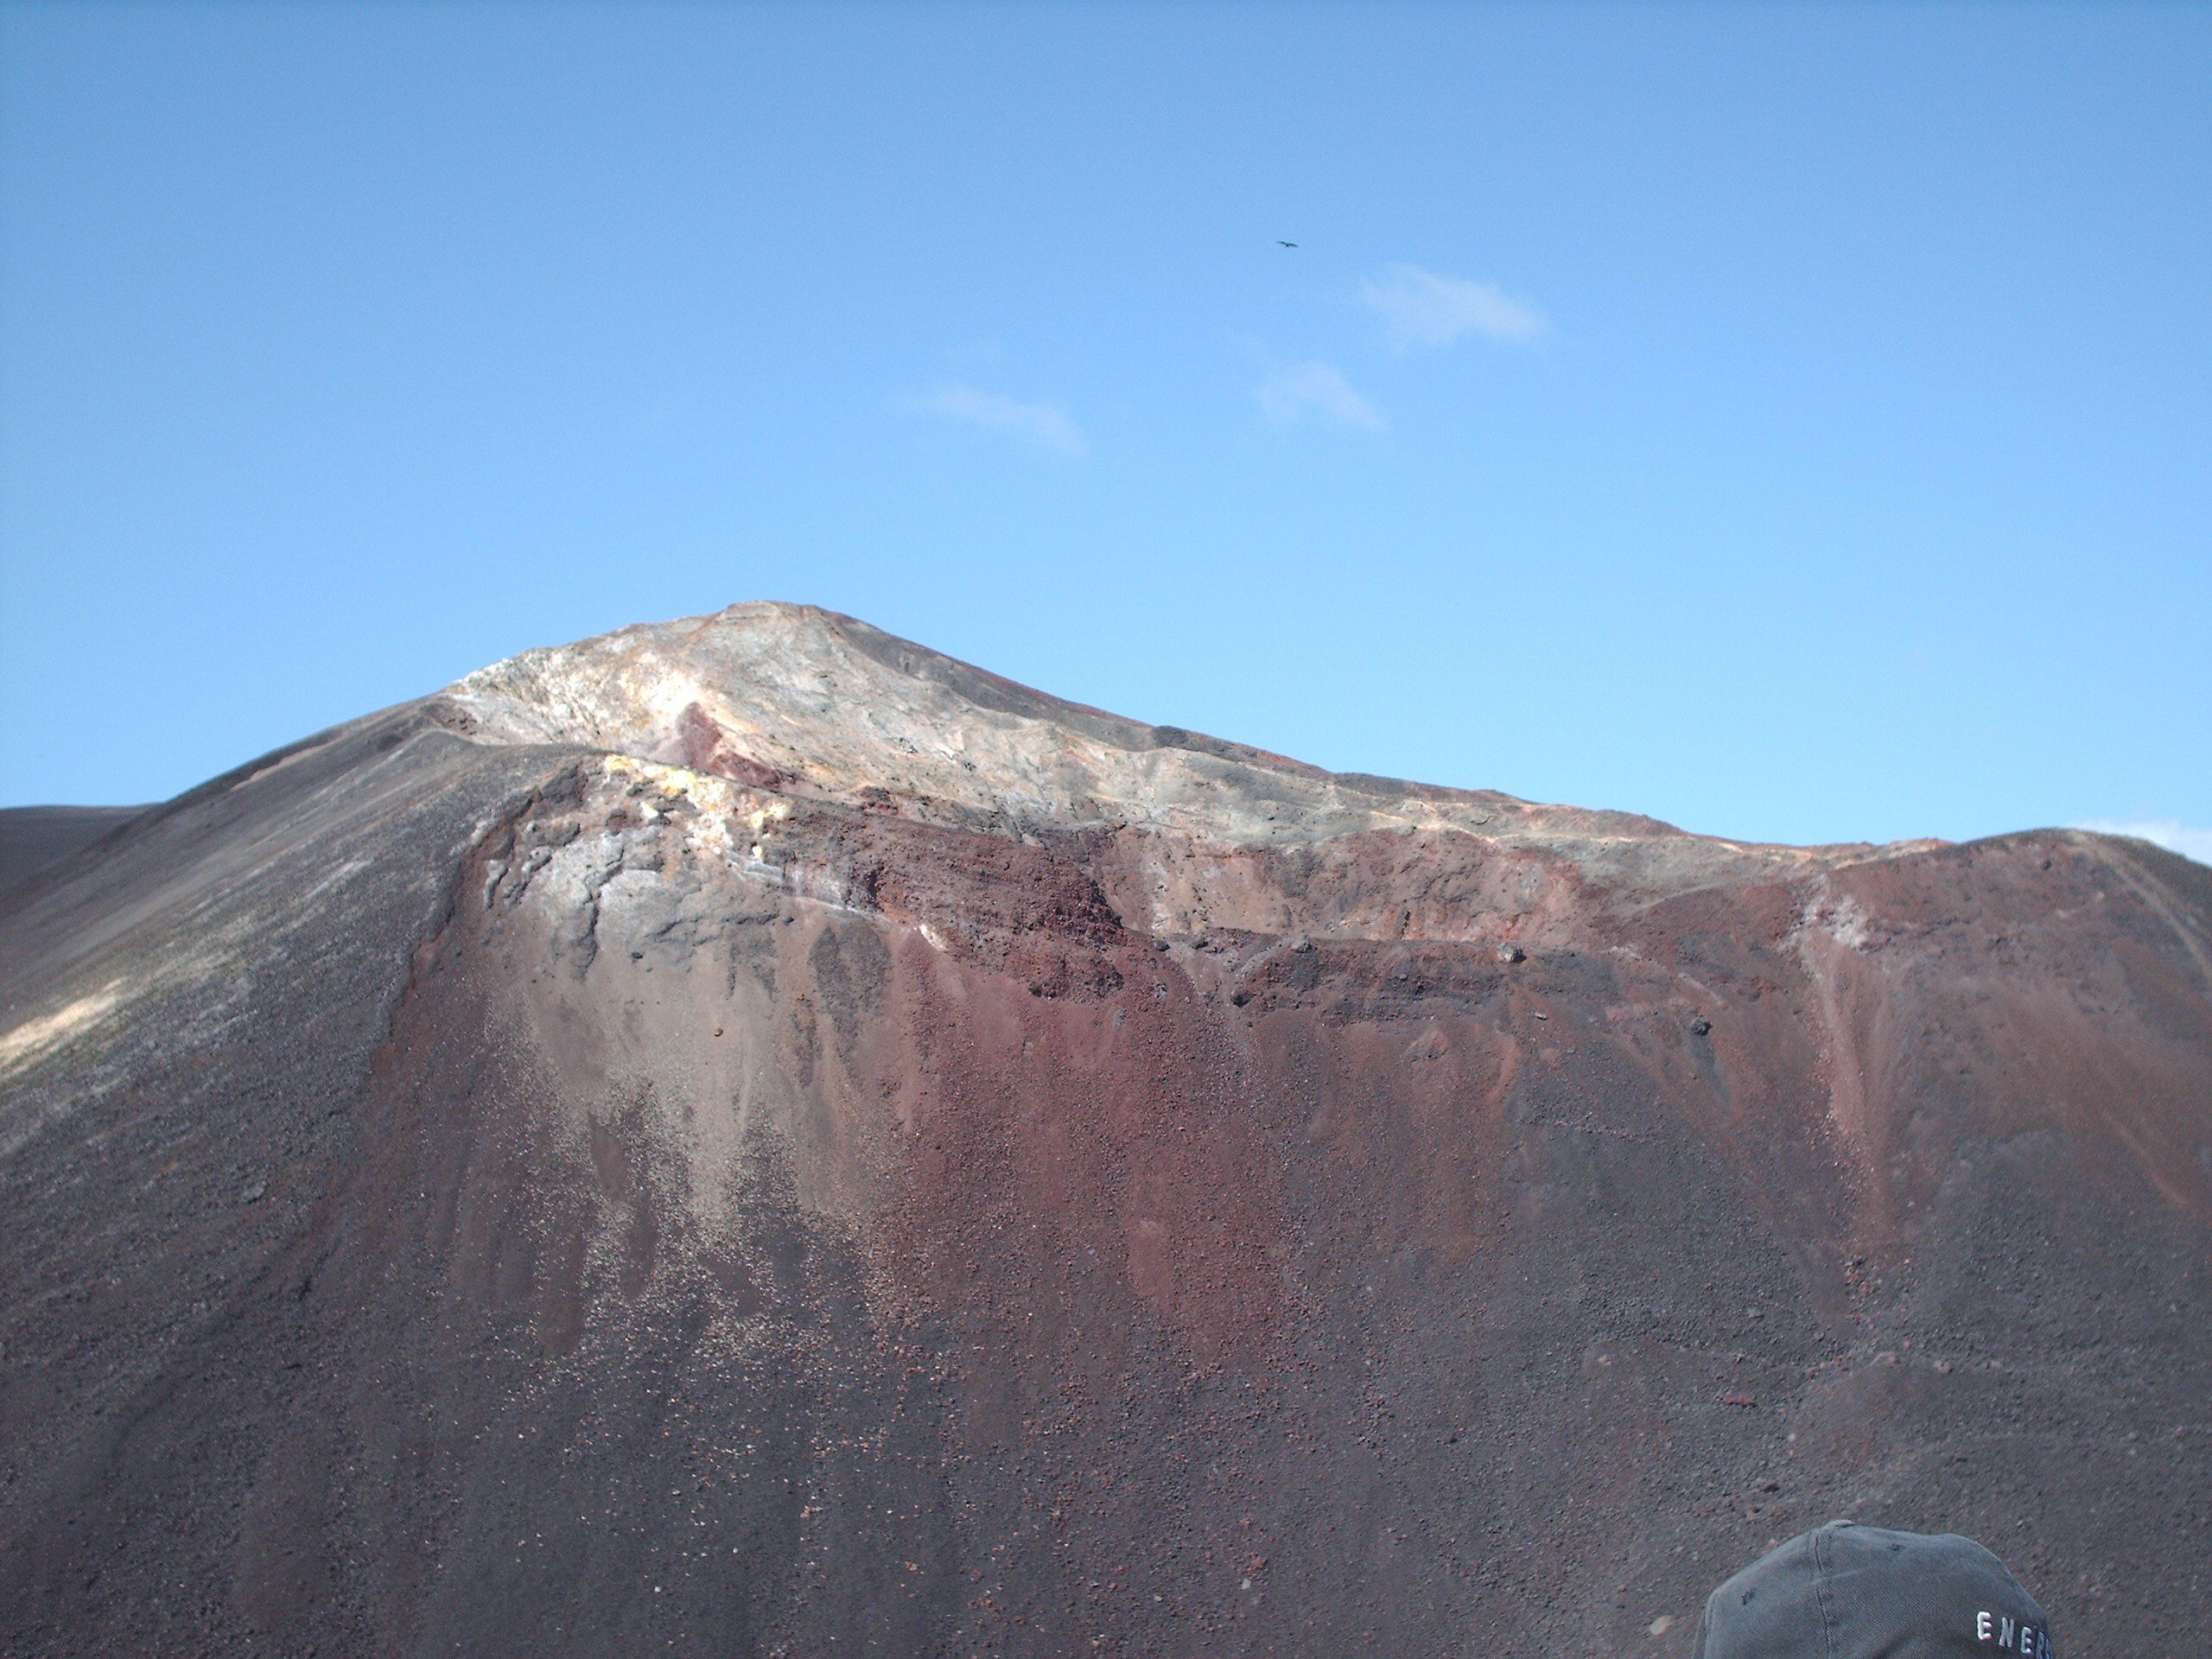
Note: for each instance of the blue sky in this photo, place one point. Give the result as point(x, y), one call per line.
point(1794, 423)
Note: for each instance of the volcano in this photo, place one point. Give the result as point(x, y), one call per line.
point(749, 1136)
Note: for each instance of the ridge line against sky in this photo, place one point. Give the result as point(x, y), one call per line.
point(1788, 423)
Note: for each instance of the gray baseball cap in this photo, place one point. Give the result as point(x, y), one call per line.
point(1847, 1592)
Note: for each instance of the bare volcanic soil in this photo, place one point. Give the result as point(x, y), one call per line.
point(747, 1136)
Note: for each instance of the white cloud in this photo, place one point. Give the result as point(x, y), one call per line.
point(1425, 309)
point(1316, 389)
point(1047, 426)
point(2166, 832)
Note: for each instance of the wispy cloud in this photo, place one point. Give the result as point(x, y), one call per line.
point(2166, 832)
point(1425, 309)
point(1044, 426)
point(1305, 389)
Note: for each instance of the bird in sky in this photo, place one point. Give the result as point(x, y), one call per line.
point(1286, 245)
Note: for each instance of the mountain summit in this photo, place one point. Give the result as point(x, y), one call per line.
point(825, 707)
point(749, 1135)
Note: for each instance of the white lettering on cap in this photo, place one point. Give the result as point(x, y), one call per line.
point(2015, 1636)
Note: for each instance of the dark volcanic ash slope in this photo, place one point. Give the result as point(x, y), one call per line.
point(748, 1137)
point(33, 839)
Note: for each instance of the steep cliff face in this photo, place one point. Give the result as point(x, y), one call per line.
point(748, 1136)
